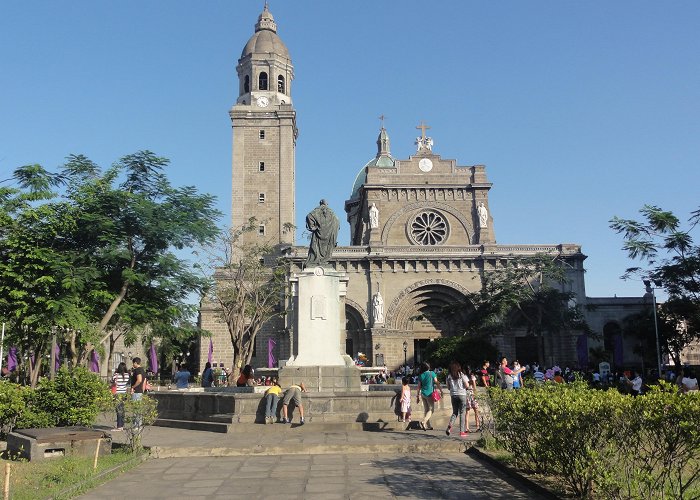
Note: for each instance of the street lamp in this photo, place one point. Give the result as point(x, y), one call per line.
point(405, 349)
point(650, 291)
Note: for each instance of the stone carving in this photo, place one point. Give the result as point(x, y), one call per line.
point(424, 144)
point(483, 215)
point(323, 225)
point(373, 216)
point(377, 309)
point(442, 207)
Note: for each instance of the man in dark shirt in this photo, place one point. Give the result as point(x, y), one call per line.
point(484, 374)
point(138, 380)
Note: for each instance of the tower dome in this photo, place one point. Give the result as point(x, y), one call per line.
point(265, 38)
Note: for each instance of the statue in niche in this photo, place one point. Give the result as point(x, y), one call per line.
point(377, 309)
point(323, 225)
point(373, 216)
point(483, 215)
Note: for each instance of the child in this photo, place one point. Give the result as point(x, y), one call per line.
point(405, 400)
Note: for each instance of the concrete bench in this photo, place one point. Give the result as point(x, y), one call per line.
point(43, 444)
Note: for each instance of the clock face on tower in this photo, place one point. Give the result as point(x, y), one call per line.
point(425, 165)
point(262, 101)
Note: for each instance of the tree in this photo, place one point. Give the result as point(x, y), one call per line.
point(105, 242)
point(673, 264)
point(249, 287)
point(526, 293)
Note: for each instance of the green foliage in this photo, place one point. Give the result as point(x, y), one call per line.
point(17, 410)
point(86, 249)
point(137, 414)
point(526, 293)
point(250, 284)
point(603, 443)
point(468, 350)
point(672, 263)
point(72, 398)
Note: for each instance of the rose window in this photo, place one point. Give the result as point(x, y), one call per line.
point(428, 228)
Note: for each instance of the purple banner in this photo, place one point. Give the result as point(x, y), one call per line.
point(271, 362)
point(582, 351)
point(210, 356)
point(57, 356)
point(12, 359)
point(95, 362)
point(153, 359)
point(617, 350)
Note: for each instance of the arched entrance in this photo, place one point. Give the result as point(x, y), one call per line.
point(426, 311)
point(356, 334)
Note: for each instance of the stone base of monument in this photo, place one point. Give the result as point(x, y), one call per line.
point(321, 378)
point(344, 410)
point(42, 444)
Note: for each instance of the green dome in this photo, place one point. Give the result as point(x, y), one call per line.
point(382, 160)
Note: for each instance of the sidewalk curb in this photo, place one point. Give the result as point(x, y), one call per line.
point(443, 446)
point(512, 473)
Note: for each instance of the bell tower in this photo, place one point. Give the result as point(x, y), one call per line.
point(264, 137)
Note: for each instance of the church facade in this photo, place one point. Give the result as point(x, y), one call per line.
point(422, 233)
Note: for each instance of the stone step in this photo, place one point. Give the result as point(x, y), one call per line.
point(226, 425)
point(398, 447)
point(194, 425)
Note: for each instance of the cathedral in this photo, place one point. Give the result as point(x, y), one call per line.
point(421, 234)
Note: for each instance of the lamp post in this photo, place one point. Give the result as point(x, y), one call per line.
point(650, 291)
point(405, 350)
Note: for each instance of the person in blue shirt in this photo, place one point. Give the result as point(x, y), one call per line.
point(182, 377)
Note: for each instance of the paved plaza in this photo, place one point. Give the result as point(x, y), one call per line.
point(342, 476)
point(310, 461)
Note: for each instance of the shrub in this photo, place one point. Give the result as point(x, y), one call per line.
point(72, 398)
point(138, 414)
point(603, 442)
point(17, 410)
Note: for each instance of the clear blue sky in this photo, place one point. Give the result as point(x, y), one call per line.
point(580, 110)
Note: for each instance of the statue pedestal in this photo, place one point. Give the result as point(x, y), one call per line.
point(317, 350)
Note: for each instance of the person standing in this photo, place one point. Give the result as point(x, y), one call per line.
point(426, 385)
point(120, 381)
point(635, 384)
point(138, 384)
point(272, 396)
point(182, 377)
point(484, 374)
point(689, 382)
point(208, 376)
point(405, 400)
point(293, 394)
point(457, 383)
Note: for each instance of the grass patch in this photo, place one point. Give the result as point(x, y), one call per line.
point(64, 477)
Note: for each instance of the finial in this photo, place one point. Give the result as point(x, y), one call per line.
point(422, 127)
point(381, 118)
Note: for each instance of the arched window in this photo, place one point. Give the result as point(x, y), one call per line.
point(246, 84)
point(280, 84)
point(262, 81)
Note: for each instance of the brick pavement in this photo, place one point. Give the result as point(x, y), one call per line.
point(342, 476)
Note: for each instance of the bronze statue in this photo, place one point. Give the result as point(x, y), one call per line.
point(324, 226)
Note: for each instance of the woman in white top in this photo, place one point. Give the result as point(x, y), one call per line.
point(689, 381)
point(120, 383)
point(457, 383)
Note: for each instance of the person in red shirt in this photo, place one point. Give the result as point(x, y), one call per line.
point(484, 374)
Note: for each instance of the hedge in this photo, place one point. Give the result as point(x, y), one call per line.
point(604, 444)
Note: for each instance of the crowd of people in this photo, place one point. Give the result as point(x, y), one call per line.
point(460, 382)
